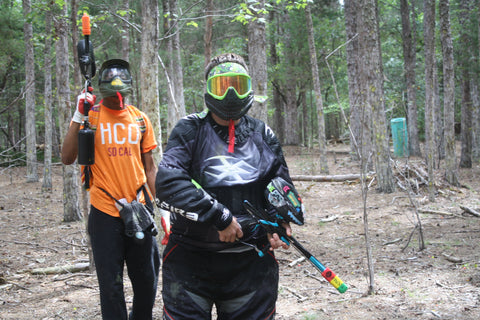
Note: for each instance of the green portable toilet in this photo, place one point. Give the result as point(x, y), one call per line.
point(399, 137)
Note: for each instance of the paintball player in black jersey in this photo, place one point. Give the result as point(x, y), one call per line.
point(213, 162)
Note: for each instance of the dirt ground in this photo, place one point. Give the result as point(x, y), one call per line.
point(441, 281)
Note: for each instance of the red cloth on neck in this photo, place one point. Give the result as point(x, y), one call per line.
point(231, 136)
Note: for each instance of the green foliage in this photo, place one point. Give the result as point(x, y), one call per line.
point(12, 71)
point(11, 158)
point(230, 34)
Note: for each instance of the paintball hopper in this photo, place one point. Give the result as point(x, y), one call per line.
point(286, 200)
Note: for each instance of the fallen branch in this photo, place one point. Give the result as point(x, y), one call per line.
point(471, 211)
point(392, 242)
point(443, 213)
point(452, 258)
point(62, 269)
point(31, 244)
point(295, 293)
point(328, 178)
point(329, 219)
point(296, 261)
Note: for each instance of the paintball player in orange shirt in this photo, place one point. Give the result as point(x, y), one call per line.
point(124, 140)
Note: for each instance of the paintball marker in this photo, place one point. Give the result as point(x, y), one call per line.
point(264, 220)
point(86, 136)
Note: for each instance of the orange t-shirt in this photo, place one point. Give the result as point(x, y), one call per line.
point(118, 167)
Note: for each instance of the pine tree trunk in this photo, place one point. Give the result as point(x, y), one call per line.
point(30, 132)
point(167, 40)
point(438, 119)
point(126, 32)
point(352, 71)
point(150, 103)
point(410, 60)
point(292, 134)
point(467, 113)
point(476, 106)
point(277, 102)
point(451, 174)
point(177, 75)
point(322, 142)
point(47, 70)
point(207, 37)
point(429, 39)
point(375, 97)
point(257, 55)
point(71, 210)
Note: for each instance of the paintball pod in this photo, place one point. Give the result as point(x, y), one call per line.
point(288, 207)
point(86, 59)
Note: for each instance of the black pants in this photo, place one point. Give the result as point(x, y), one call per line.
point(111, 249)
point(243, 286)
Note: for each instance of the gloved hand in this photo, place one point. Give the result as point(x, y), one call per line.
point(80, 109)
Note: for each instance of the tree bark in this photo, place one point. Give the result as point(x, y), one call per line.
point(150, 103)
point(451, 174)
point(30, 132)
point(409, 56)
point(126, 32)
point(257, 55)
point(207, 37)
point(47, 70)
point(476, 105)
point(372, 71)
point(167, 40)
point(292, 134)
point(278, 103)
point(177, 76)
point(429, 40)
point(352, 72)
point(466, 116)
point(71, 210)
point(322, 142)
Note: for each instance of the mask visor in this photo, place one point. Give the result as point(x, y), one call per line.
point(110, 73)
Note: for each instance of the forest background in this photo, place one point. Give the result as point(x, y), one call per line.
point(322, 71)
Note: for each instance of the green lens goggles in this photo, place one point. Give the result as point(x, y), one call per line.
point(218, 85)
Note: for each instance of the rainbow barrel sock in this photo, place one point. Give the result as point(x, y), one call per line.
point(334, 280)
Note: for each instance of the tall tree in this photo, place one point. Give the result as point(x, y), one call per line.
point(149, 102)
point(77, 75)
point(476, 104)
point(47, 71)
point(465, 60)
point(207, 36)
point(71, 210)
point(292, 134)
point(30, 132)
point(451, 174)
point(257, 55)
point(353, 61)
point(125, 32)
point(176, 59)
point(167, 43)
point(371, 75)
point(322, 141)
point(277, 101)
point(409, 56)
point(429, 40)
